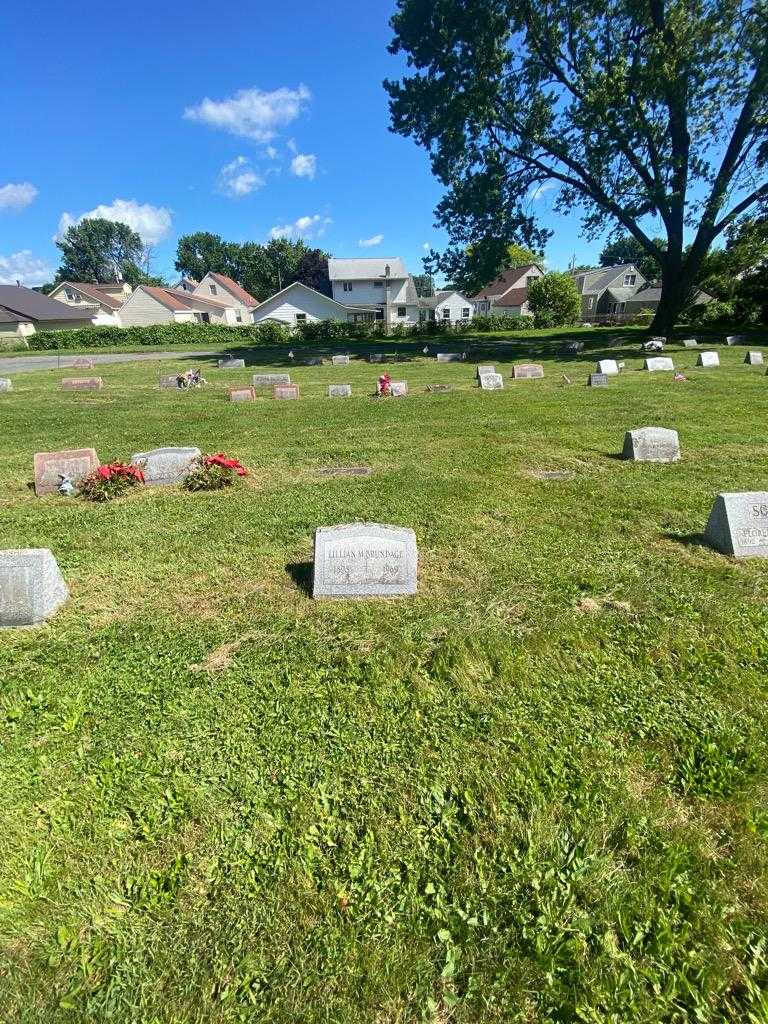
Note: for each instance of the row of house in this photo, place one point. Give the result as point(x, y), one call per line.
point(361, 290)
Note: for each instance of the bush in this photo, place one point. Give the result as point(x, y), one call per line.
point(267, 333)
point(554, 300)
point(502, 322)
point(714, 312)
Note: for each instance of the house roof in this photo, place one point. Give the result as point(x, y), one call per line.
point(362, 270)
point(6, 317)
point(31, 305)
point(433, 301)
point(512, 297)
point(600, 278)
point(177, 300)
point(234, 289)
point(504, 282)
point(93, 291)
point(313, 291)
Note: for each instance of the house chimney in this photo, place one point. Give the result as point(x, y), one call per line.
point(18, 283)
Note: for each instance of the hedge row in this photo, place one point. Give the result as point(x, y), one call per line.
point(268, 333)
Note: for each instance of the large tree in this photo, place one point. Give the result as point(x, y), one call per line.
point(473, 266)
point(632, 108)
point(201, 252)
point(99, 250)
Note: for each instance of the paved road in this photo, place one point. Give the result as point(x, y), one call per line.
point(22, 364)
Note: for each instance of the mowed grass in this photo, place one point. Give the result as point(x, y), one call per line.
point(536, 792)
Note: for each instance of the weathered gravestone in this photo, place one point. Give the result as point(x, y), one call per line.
point(491, 381)
point(738, 524)
point(652, 444)
point(689, 343)
point(6, 384)
point(438, 389)
point(339, 390)
point(285, 392)
point(609, 367)
point(378, 357)
point(398, 388)
point(231, 364)
point(244, 393)
point(734, 339)
point(657, 363)
point(708, 359)
point(573, 348)
point(82, 384)
point(484, 368)
point(84, 363)
point(754, 358)
point(50, 467)
point(268, 380)
point(165, 466)
point(312, 361)
point(31, 586)
point(364, 560)
point(339, 360)
point(598, 380)
point(527, 371)
point(168, 380)
point(449, 357)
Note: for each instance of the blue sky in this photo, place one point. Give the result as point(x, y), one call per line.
point(249, 121)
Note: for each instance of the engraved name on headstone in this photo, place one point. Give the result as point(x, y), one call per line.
point(708, 359)
point(74, 463)
point(598, 380)
point(527, 371)
point(285, 392)
point(754, 358)
point(82, 384)
point(738, 524)
point(165, 466)
point(231, 363)
point(242, 394)
point(652, 444)
point(491, 381)
point(657, 363)
point(609, 367)
point(364, 560)
point(32, 588)
point(268, 380)
point(339, 390)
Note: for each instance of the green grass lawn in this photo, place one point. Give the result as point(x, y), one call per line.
point(536, 792)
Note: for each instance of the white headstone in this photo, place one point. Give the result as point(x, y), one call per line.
point(652, 444)
point(609, 367)
point(339, 360)
point(754, 358)
point(31, 586)
point(484, 368)
point(398, 388)
point(491, 381)
point(364, 560)
point(708, 359)
point(231, 364)
point(738, 524)
point(689, 343)
point(656, 363)
point(6, 384)
point(166, 466)
point(734, 339)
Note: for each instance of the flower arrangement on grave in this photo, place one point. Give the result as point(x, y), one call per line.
point(191, 379)
point(384, 386)
point(110, 481)
point(213, 472)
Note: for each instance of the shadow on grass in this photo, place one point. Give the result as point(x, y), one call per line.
point(689, 540)
point(301, 574)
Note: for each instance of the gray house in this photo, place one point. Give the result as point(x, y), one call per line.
point(606, 291)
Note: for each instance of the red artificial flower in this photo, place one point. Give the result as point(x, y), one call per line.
point(220, 459)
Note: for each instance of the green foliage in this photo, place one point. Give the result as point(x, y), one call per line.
point(424, 284)
point(98, 250)
point(554, 300)
point(209, 478)
point(99, 486)
point(473, 267)
point(627, 249)
point(267, 333)
point(714, 312)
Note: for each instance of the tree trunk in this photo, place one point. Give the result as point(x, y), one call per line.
point(674, 298)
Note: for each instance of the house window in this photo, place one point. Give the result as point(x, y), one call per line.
point(431, 314)
point(212, 288)
point(347, 286)
point(301, 318)
point(401, 311)
point(205, 317)
point(72, 296)
point(629, 280)
point(379, 314)
point(590, 301)
point(446, 314)
point(238, 316)
point(378, 284)
point(422, 314)
point(465, 313)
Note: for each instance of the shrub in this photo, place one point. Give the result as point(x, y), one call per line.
point(110, 481)
point(213, 472)
point(554, 300)
point(267, 333)
point(711, 313)
point(502, 322)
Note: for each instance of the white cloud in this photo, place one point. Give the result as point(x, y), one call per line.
point(304, 165)
point(271, 152)
point(152, 222)
point(16, 197)
point(540, 190)
point(304, 227)
point(367, 243)
point(22, 266)
point(238, 178)
point(426, 246)
point(252, 113)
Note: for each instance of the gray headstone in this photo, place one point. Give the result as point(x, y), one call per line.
point(754, 358)
point(6, 384)
point(398, 388)
point(484, 368)
point(285, 392)
point(364, 560)
point(339, 360)
point(82, 384)
point(339, 390)
point(31, 586)
point(166, 466)
point(598, 380)
point(377, 357)
point(652, 444)
point(491, 381)
point(50, 467)
point(231, 364)
point(738, 524)
point(527, 371)
point(312, 361)
point(656, 363)
point(708, 359)
point(84, 363)
point(168, 380)
point(734, 339)
point(449, 357)
point(242, 394)
point(268, 380)
point(609, 367)
point(689, 343)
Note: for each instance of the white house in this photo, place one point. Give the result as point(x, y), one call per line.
point(225, 290)
point(381, 285)
point(101, 301)
point(148, 305)
point(298, 303)
point(446, 307)
point(508, 294)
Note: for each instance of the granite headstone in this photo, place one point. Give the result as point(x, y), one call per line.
point(168, 380)
point(82, 384)
point(340, 360)
point(754, 358)
point(738, 524)
point(689, 343)
point(339, 390)
point(708, 359)
point(491, 381)
point(398, 388)
point(32, 588)
point(652, 444)
point(50, 467)
point(244, 393)
point(734, 339)
point(165, 466)
point(484, 368)
point(285, 392)
point(449, 357)
point(231, 364)
point(598, 380)
point(609, 367)
point(658, 363)
point(364, 560)
point(527, 371)
point(84, 363)
point(268, 380)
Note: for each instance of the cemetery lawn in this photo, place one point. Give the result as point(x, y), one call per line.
point(536, 792)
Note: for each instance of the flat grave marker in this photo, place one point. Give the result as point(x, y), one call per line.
point(168, 380)
point(244, 393)
point(449, 357)
point(364, 560)
point(597, 380)
point(491, 382)
point(738, 524)
point(74, 463)
point(268, 380)
point(82, 384)
point(652, 444)
point(527, 371)
point(32, 588)
point(658, 363)
point(333, 471)
point(708, 359)
point(285, 392)
point(230, 363)
point(163, 467)
point(609, 367)
point(339, 390)
point(6, 384)
point(438, 389)
point(754, 358)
